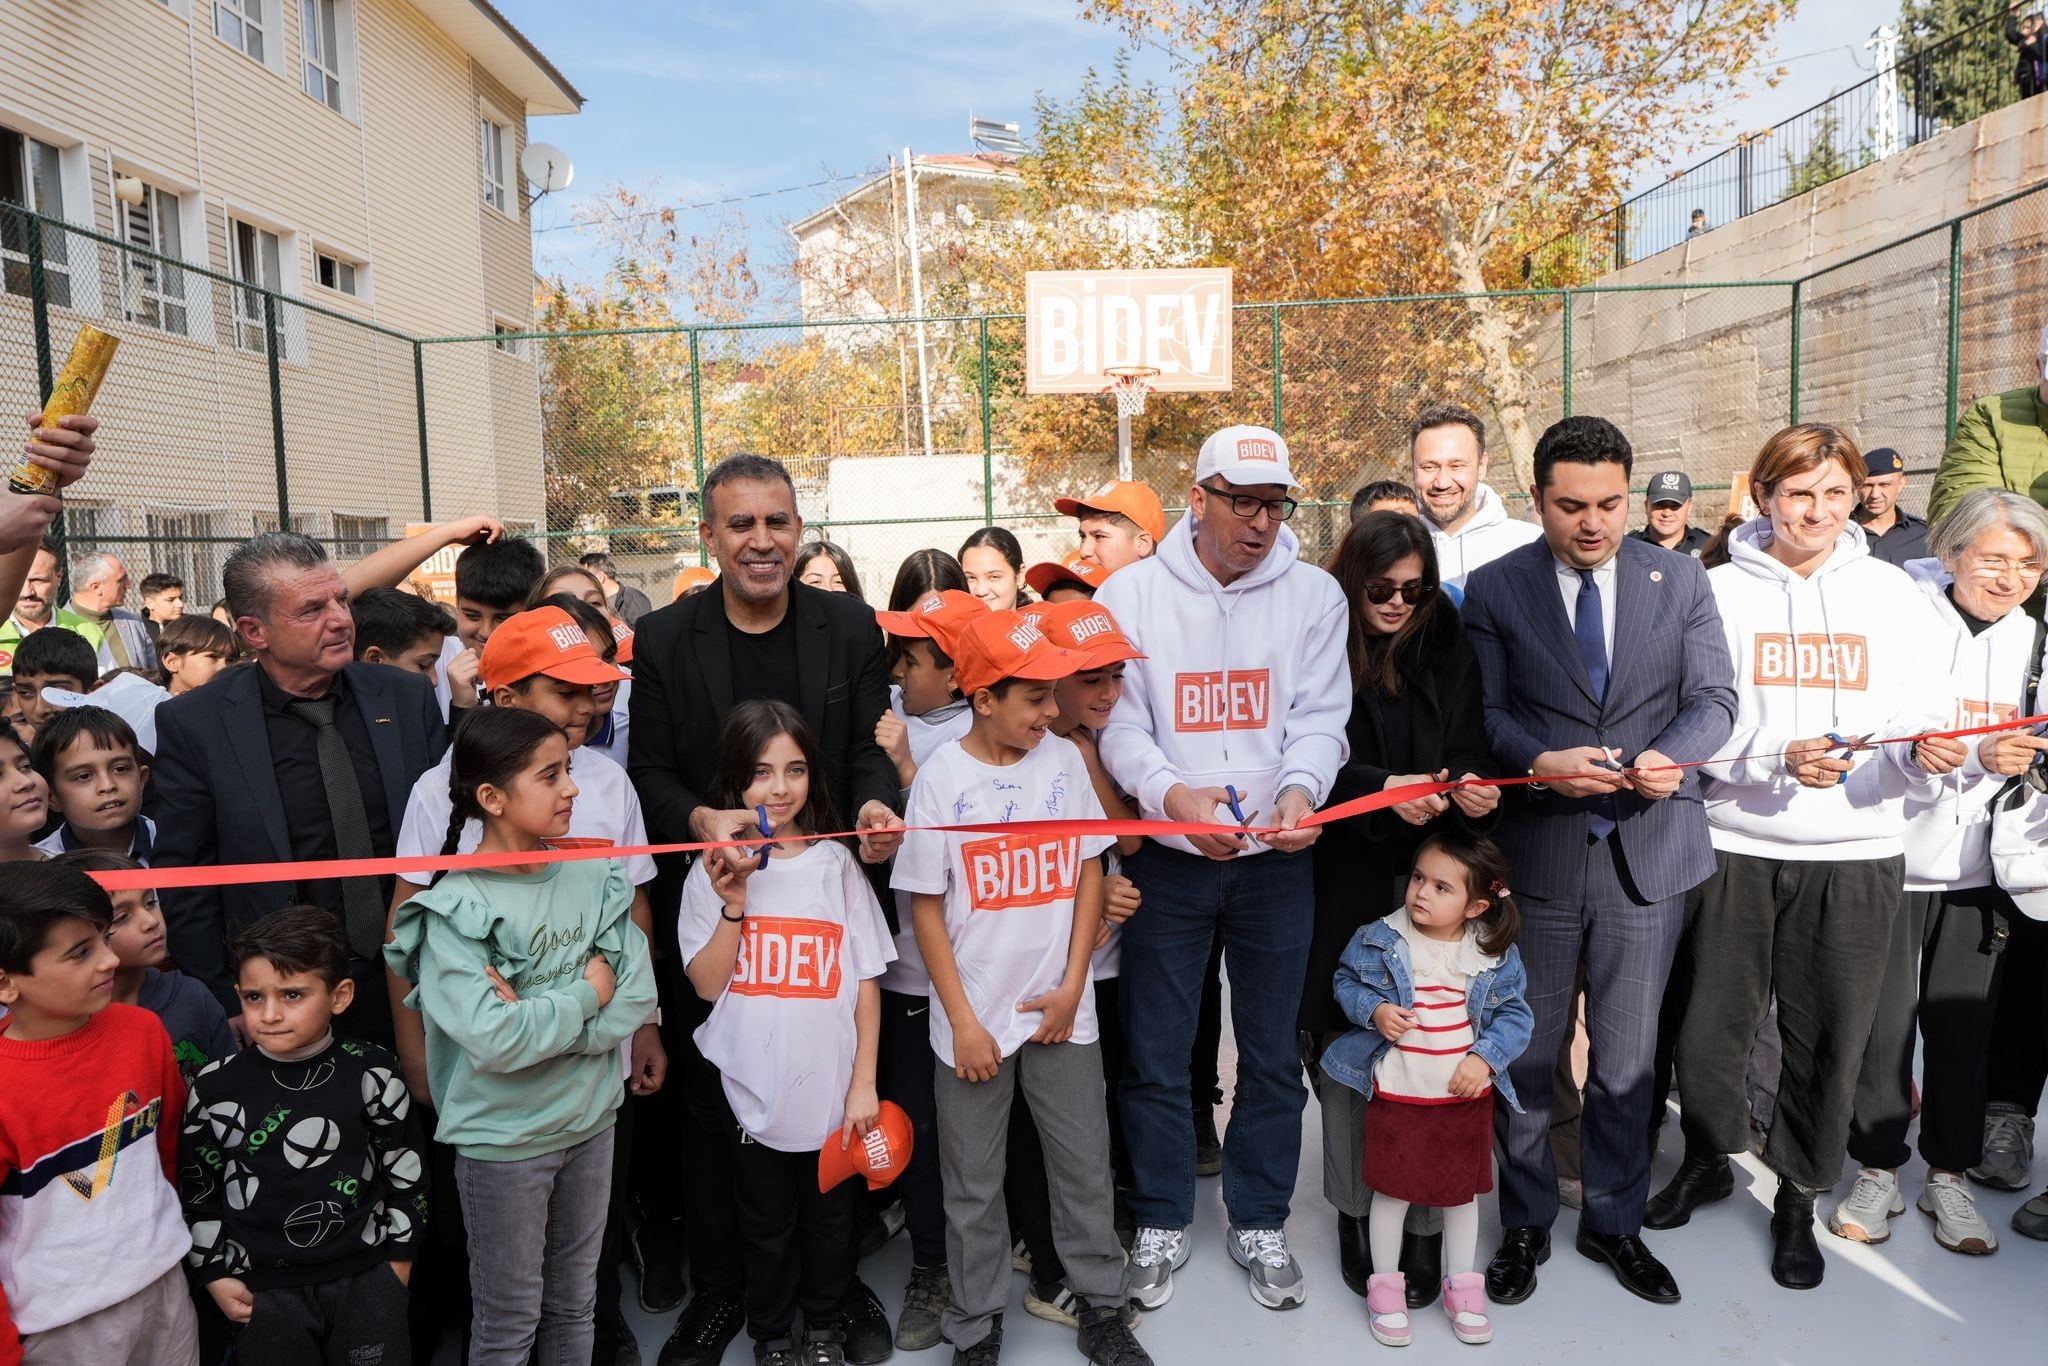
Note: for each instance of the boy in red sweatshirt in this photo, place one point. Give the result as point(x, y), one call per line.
point(90, 1233)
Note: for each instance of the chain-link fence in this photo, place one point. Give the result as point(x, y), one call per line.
point(231, 403)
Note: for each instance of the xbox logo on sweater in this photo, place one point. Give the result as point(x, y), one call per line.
point(311, 1142)
point(312, 1077)
point(228, 1122)
point(402, 1169)
point(385, 1096)
point(313, 1223)
point(240, 1185)
point(205, 1239)
point(234, 1256)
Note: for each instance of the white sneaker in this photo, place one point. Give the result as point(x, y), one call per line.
point(1865, 1216)
point(1157, 1254)
point(1276, 1277)
point(1957, 1225)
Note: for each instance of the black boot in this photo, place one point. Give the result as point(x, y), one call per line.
point(1354, 1253)
point(1422, 1262)
point(1796, 1262)
point(1699, 1180)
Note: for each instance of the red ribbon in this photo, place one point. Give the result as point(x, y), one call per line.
point(241, 874)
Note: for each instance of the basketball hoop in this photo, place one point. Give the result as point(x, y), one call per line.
point(1131, 384)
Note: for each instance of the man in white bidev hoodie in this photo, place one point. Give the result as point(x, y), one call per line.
point(1447, 465)
point(1243, 686)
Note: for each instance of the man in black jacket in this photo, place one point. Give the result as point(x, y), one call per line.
point(302, 755)
point(754, 634)
point(1667, 515)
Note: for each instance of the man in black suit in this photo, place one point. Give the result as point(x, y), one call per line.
point(753, 634)
point(302, 755)
point(1605, 847)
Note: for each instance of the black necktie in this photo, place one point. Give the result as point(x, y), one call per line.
point(362, 910)
point(1589, 628)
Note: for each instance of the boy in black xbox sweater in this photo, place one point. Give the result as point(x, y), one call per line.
point(300, 1163)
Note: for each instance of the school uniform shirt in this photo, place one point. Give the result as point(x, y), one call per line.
point(1948, 818)
point(1843, 650)
point(608, 737)
point(1243, 683)
point(1009, 899)
point(606, 812)
point(1418, 1069)
point(925, 734)
point(782, 1032)
point(141, 845)
point(88, 1149)
point(191, 1016)
point(294, 1172)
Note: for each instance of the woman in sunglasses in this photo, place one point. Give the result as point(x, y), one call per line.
point(1415, 716)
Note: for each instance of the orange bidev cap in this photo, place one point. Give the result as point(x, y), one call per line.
point(1127, 496)
point(695, 576)
point(880, 1154)
point(1047, 575)
point(622, 641)
point(545, 640)
point(939, 617)
point(1087, 630)
point(1007, 645)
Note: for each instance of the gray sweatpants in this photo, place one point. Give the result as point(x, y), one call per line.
point(155, 1326)
point(536, 1227)
point(1063, 1083)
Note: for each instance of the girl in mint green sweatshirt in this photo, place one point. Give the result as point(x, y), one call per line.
point(528, 979)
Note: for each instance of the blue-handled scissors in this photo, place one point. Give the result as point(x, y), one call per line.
point(1849, 744)
point(1244, 822)
point(767, 832)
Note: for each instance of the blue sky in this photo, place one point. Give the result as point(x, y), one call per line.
point(706, 101)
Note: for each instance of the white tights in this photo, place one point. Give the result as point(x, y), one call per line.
point(1461, 1234)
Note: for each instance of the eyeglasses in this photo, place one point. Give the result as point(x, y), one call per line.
point(1248, 507)
point(1999, 568)
point(1381, 591)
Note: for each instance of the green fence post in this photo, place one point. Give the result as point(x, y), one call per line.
point(1798, 293)
point(697, 439)
point(1276, 369)
point(1567, 353)
point(1955, 321)
point(419, 390)
point(270, 346)
point(988, 441)
point(39, 305)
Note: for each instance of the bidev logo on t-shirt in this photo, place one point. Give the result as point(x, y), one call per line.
point(1213, 700)
point(1005, 872)
point(787, 957)
point(1784, 661)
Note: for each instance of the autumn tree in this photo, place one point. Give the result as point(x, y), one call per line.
point(1334, 148)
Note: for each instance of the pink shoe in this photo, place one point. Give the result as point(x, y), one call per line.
point(1465, 1307)
point(1386, 1304)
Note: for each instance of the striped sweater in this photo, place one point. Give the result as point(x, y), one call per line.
point(1418, 1068)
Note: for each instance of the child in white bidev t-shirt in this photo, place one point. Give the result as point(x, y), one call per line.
point(786, 945)
point(1006, 923)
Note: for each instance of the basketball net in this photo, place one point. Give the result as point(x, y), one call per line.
point(1131, 384)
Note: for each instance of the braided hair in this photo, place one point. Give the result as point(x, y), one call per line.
point(492, 745)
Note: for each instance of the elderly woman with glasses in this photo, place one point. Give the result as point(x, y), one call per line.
point(1947, 962)
point(1416, 714)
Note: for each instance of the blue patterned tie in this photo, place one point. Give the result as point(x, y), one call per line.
point(1589, 628)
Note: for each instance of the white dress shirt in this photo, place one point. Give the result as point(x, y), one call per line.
point(1603, 579)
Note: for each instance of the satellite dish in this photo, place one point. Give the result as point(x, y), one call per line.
point(547, 168)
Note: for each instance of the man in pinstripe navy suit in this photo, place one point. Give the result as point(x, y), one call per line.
point(1603, 662)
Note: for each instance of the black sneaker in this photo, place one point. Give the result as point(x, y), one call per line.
point(775, 1352)
point(705, 1330)
point(984, 1353)
point(866, 1326)
point(1208, 1147)
point(1107, 1340)
point(925, 1298)
point(614, 1344)
point(822, 1347)
point(657, 1252)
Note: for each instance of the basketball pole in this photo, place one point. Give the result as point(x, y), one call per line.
point(1123, 446)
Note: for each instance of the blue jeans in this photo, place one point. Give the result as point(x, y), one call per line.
point(1265, 906)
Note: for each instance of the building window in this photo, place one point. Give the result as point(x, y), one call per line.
point(495, 139)
point(323, 51)
point(338, 274)
point(257, 262)
point(30, 177)
point(240, 24)
point(152, 278)
point(190, 543)
point(507, 339)
point(357, 538)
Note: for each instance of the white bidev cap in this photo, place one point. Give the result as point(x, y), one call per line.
point(1245, 455)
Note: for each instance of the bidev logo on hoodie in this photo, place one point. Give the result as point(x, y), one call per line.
point(1214, 700)
point(792, 958)
point(1786, 661)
